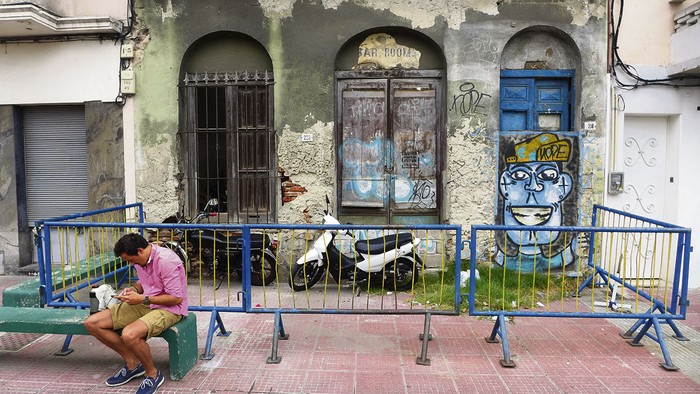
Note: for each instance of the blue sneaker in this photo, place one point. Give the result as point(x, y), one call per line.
point(125, 375)
point(150, 385)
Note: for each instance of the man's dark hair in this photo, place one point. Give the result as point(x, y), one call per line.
point(130, 244)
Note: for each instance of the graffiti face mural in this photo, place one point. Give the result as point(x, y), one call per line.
point(534, 184)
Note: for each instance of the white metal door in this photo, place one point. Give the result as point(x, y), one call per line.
point(644, 163)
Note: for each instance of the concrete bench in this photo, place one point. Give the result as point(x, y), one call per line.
point(181, 338)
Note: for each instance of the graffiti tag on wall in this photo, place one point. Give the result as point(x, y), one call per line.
point(537, 188)
point(483, 49)
point(470, 101)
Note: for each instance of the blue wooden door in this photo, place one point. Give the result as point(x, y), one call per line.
point(536, 100)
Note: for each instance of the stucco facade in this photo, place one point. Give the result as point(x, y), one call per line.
point(312, 48)
point(304, 41)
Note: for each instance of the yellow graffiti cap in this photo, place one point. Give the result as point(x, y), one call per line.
point(544, 147)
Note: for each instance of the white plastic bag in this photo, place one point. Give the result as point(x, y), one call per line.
point(104, 296)
point(464, 278)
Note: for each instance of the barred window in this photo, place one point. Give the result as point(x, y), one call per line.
point(228, 145)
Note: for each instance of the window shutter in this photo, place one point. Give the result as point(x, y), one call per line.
point(55, 161)
point(517, 96)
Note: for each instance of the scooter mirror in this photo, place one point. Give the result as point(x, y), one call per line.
point(213, 202)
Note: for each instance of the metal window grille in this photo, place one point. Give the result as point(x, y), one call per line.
point(228, 144)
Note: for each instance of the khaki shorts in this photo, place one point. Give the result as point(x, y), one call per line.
point(157, 320)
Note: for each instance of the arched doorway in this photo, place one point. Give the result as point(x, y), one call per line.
point(538, 81)
point(540, 157)
point(228, 137)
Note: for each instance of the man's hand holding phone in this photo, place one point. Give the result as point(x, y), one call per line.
point(129, 295)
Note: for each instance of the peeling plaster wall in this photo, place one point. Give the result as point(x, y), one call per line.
point(420, 14)
point(105, 155)
point(9, 235)
point(307, 163)
point(474, 55)
point(160, 47)
point(303, 38)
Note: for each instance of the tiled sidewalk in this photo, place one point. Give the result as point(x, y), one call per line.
point(374, 354)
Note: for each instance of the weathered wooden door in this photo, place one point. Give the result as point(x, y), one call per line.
point(388, 149)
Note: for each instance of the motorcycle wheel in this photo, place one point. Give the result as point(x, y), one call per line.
point(262, 267)
point(402, 273)
point(305, 276)
point(180, 252)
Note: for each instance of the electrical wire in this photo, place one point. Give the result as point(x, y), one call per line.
point(131, 19)
point(124, 64)
point(630, 71)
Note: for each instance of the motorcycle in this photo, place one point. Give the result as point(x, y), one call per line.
point(221, 252)
point(391, 259)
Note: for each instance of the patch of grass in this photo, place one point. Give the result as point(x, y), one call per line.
point(502, 289)
point(436, 289)
point(497, 288)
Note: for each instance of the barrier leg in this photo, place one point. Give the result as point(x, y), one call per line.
point(423, 359)
point(629, 334)
point(215, 323)
point(667, 364)
point(277, 332)
point(499, 328)
point(585, 284)
point(220, 326)
point(65, 350)
point(282, 335)
point(677, 333)
point(590, 279)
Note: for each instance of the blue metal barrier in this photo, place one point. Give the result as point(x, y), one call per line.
point(125, 213)
point(629, 253)
point(242, 296)
point(620, 253)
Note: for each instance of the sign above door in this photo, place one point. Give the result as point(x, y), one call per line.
point(380, 51)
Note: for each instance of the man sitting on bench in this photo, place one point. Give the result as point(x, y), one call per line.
point(155, 303)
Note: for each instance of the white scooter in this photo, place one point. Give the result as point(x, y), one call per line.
point(392, 258)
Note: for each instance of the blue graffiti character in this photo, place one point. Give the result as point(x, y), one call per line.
point(533, 187)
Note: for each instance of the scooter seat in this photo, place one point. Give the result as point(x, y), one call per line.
point(383, 244)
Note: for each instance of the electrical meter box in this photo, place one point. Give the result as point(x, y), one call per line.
point(616, 183)
point(127, 50)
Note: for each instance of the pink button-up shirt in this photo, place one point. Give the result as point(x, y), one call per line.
point(164, 274)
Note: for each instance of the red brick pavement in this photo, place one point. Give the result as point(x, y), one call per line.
point(369, 354)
